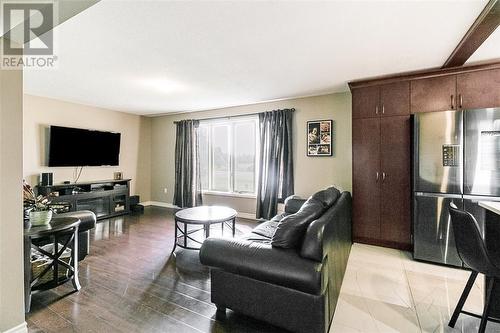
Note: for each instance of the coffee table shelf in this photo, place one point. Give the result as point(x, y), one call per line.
point(201, 218)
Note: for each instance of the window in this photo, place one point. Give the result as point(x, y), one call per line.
point(228, 155)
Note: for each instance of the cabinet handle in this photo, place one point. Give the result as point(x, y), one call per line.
point(378, 176)
point(376, 109)
point(383, 176)
point(383, 108)
point(452, 102)
point(460, 100)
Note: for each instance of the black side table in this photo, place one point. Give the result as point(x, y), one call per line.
point(59, 228)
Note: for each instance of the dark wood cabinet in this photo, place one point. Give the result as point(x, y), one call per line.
point(381, 135)
point(479, 90)
point(381, 181)
point(365, 102)
point(395, 99)
point(434, 94)
point(366, 189)
point(472, 90)
point(381, 101)
point(106, 198)
point(395, 222)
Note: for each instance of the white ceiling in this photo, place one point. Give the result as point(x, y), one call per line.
point(152, 57)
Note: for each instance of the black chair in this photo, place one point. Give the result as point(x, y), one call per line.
point(472, 250)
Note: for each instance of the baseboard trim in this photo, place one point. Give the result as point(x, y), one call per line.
point(159, 204)
point(248, 216)
point(21, 328)
point(382, 243)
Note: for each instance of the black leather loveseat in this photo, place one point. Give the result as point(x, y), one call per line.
point(289, 277)
point(87, 222)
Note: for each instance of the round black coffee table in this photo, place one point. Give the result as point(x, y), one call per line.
point(204, 217)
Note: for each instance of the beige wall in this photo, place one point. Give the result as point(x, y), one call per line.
point(311, 173)
point(11, 209)
point(135, 148)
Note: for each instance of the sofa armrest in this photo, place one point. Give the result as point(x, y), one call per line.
point(87, 219)
point(260, 261)
point(333, 228)
point(293, 204)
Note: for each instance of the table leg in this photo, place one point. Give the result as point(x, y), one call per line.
point(222, 228)
point(27, 274)
point(185, 234)
point(55, 272)
point(207, 230)
point(75, 280)
point(234, 227)
point(175, 237)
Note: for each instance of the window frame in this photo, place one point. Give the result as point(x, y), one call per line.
point(231, 123)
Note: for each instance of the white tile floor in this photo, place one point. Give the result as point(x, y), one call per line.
point(386, 291)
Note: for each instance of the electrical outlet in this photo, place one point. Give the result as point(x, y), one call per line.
point(165, 190)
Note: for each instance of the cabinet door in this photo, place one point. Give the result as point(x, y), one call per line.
point(395, 99)
point(365, 102)
point(434, 94)
point(366, 189)
point(395, 221)
point(479, 90)
point(100, 205)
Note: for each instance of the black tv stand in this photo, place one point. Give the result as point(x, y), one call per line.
point(106, 198)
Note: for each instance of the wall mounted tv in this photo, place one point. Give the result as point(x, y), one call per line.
point(76, 147)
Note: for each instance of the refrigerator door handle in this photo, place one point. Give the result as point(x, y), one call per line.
point(438, 195)
point(481, 198)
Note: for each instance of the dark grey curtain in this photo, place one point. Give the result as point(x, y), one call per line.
point(187, 191)
point(276, 161)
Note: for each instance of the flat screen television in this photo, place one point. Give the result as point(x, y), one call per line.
point(74, 147)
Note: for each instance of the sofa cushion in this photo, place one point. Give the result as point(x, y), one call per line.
point(266, 229)
point(327, 197)
point(292, 228)
point(260, 261)
point(293, 204)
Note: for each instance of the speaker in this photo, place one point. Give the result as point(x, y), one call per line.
point(47, 179)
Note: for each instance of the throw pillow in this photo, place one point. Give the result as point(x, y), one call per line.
point(291, 228)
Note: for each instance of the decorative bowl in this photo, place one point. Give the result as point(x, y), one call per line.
point(40, 218)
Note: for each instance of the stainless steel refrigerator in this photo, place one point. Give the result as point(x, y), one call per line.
point(456, 158)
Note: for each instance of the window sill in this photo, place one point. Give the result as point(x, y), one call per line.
point(230, 194)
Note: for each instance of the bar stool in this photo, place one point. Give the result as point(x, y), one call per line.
point(472, 250)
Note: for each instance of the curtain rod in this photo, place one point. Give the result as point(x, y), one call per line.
point(233, 116)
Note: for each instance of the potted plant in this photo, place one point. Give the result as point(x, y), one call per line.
point(38, 207)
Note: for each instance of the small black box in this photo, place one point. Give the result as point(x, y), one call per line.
point(134, 200)
point(137, 208)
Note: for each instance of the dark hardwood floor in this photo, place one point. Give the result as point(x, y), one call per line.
point(132, 283)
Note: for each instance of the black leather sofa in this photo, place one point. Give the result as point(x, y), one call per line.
point(87, 222)
point(292, 288)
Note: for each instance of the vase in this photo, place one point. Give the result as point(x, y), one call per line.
point(40, 218)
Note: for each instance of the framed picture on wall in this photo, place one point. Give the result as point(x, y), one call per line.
point(319, 138)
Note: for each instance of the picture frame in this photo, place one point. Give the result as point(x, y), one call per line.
point(319, 138)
